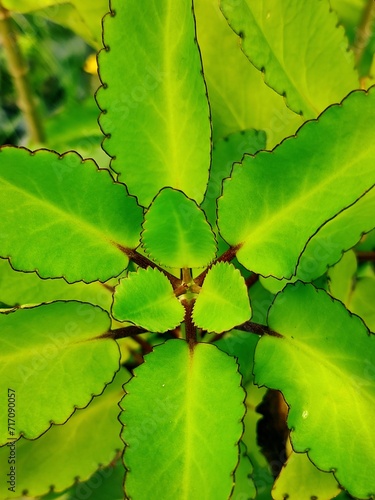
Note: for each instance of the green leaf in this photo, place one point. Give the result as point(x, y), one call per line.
point(223, 302)
point(324, 366)
point(275, 201)
point(325, 248)
point(362, 301)
point(146, 299)
point(299, 479)
point(180, 431)
point(18, 288)
point(55, 358)
point(340, 277)
point(176, 232)
point(244, 486)
point(294, 43)
point(239, 100)
point(75, 215)
point(224, 154)
point(89, 439)
point(158, 116)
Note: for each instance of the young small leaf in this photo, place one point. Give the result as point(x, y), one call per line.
point(294, 44)
point(146, 299)
point(158, 116)
point(362, 301)
point(223, 302)
point(75, 215)
point(271, 213)
point(90, 438)
point(54, 359)
point(181, 433)
point(299, 479)
point(176, 232)
point(324, 365)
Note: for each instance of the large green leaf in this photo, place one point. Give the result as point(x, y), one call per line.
point(180, 431)
point(299, 479)
point(88, 440)
point(146, 299)
point(324, 365)
point(275, 201)
point(18, 288)
point(176, 232)
point(325, 248)
point(61, 216)
point(54, 359)
point(223, 302)
point(156, 109)
point(294, 43)
point(239, 100)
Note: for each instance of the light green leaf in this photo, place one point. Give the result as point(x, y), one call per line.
point(299, 479)
point(340, 277)
point(239, 99)
point(223, 302)
point(244, 488)
point(189, 449)
point(326, 247)
point(158, 116)
point(88, 440)
point(75, 215)
point(275, 201)
point(226, 152)
point(176, 232)
point(294, 43)
point(54, 359)
point(146, 299)
point(324, 366)
point(362, 301)
point(18, 288)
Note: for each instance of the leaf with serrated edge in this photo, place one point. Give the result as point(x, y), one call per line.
point(299, 479)
point(324, 366)
point(19, 288)
point(327, 245)
point(275, 201)
point(223, 302)
point(294, 44)
point(90, 438)
point(239, 100)
point(75, 215)
point(181, 433)
point(146, 299)
point(158, 116)
point(55, 359)
point(176, 232)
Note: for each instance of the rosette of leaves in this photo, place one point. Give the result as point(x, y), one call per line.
point(155, 226)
